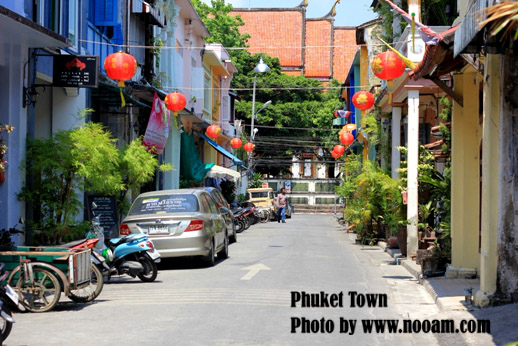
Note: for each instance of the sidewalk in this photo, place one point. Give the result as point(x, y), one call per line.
point(449, 296)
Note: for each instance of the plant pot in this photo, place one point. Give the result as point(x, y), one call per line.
point(401, 239)
point(393, 242)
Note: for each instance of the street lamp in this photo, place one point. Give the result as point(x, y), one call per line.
point(260, 68)
point(254, 131)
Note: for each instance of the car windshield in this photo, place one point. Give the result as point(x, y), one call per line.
point(259, 194)
point(164, 204)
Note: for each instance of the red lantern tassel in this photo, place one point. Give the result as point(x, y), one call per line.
point(123, 101)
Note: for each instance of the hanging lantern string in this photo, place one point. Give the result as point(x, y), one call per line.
point(363, 87)
point(137, 46)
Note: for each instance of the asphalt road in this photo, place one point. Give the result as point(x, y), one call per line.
point(246, 299)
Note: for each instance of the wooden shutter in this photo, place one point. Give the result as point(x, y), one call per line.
point(106, 12)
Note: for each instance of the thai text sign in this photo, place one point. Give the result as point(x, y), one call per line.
point(73, 71)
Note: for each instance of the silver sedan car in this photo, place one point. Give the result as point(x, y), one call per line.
point(183, 222)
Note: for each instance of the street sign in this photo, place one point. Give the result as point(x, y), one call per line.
point(265, 185)
point(75, 71)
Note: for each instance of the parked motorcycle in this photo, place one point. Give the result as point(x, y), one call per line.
point(134, 255)
point(8, 302)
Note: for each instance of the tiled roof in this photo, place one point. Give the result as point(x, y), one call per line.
point(318, 60)
point(275, 30)
point(344, 51)
point(272, 31)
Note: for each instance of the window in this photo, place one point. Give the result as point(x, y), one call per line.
point(212, 204)
point(60, 16)
point(164, 204)
point(71, 28)
point(207, 90)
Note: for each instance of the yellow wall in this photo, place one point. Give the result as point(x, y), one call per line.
point(490, 157)
point(465, 179)
point(209, 154)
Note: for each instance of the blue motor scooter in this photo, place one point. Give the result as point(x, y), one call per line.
point(134, 254)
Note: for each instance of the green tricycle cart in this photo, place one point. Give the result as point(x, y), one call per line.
point(40, 274)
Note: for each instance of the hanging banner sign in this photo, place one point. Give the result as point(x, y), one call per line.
point(157, 129)
point(75, 71)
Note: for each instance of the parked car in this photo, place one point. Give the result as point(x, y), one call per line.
point(261, 197)
point(180, 223)
point(224, 208)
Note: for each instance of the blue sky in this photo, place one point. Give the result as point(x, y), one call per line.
point(348, 12)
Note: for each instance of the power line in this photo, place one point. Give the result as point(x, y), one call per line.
point(238, 48)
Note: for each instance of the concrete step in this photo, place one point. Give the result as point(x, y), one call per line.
point(313, 209)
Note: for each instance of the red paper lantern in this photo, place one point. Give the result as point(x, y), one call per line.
point(175, 102)
point(363, 100)
point(213, 131)
point(249, 147)
point(339, 149)
point(120, 67)
point(388, 66)
point(236, 143)
point(346, 138)
point(335, 155)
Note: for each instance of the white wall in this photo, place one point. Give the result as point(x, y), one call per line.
point(12, 59)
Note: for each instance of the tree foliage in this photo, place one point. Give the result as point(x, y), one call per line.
point(85, 159)
point(297, 102)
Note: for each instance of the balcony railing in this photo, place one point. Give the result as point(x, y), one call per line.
point(95, 44)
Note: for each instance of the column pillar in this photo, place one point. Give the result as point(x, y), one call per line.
point(396, 141)
point(490, 157)
point(465, 176)
point(412, 162)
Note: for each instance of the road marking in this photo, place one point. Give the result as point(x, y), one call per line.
point(253, 270)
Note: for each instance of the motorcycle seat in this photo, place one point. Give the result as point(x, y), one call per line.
point(117, 241)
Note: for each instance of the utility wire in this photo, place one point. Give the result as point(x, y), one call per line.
point(237, 48)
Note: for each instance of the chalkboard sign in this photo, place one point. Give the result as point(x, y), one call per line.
point(107, 208)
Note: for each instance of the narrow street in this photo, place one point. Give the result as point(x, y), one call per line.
point(245, 300)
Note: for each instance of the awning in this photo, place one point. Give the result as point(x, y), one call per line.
point(191, 166)
point(222, 172)
point(221, 150)
point(18, 30)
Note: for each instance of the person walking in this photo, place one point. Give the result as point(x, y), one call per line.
point(281, 204)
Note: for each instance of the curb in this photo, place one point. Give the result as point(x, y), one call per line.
point(415, 270)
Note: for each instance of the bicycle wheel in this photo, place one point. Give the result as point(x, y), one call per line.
point(42, 294)
point(90, 292)
point(265, 216)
